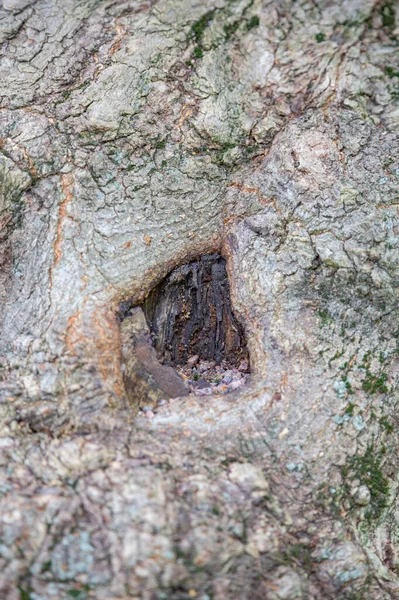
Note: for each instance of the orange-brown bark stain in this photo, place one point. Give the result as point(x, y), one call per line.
point(254, 190)
point(108, 348)
point(102, 344)
point(67, 188)
point(74, 331)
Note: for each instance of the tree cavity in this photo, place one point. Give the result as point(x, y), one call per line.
point(184, 338)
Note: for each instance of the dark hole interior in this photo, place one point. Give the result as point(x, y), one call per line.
point(193, 328)
point(190, 313)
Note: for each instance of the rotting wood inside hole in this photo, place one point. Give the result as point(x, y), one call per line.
point(191, 328)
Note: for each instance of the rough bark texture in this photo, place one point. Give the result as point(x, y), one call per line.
point(136, 136)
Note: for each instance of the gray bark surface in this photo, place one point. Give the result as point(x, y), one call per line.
point(135, 136)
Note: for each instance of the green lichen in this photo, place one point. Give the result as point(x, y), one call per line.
point(81, 594)
point(230, 29)
point(196, 33)
point(351, 23)
point(164, 466)
point(198, 52)
point(386, 425)
point(198, 28)
point(347, 383)
point(395, 93)
point(374, 384)
point(253, 22)
point(336, 356)
point(320, 37)
point(387, 12)
point(221, 151)
point(391, 73)
point(366, 360)
point(300, 554)
point(47, 566)
point(368, 470)
point(325, 318)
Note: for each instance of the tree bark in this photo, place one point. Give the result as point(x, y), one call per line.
point(137, 136)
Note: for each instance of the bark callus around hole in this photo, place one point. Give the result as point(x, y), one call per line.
point(184, 338)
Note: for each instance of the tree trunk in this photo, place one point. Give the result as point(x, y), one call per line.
point(137, 136)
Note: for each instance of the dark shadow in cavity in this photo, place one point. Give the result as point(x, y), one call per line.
point(188, 314)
